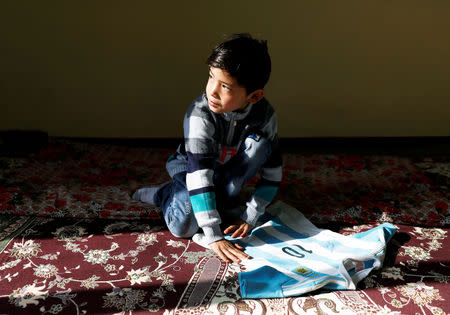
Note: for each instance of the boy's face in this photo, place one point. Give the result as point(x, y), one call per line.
point(225, 94)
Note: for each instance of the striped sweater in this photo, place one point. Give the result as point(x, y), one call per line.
point(211, 140)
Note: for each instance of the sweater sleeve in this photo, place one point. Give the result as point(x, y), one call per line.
point(201, 151)
point(271, 175)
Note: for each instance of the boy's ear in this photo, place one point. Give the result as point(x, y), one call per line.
point(255, 96)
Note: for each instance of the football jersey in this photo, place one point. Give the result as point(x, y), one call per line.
point(291, 256)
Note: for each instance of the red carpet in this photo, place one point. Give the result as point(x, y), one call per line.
point(87, 266)
point(66, 259)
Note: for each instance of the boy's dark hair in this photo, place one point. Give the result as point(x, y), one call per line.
point(244, 58)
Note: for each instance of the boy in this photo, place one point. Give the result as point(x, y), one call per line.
point(230, 133)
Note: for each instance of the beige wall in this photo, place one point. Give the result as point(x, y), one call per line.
point(340, 68)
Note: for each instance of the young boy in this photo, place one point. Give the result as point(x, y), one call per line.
point(230, 133)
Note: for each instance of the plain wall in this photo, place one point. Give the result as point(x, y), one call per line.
point(131, 68)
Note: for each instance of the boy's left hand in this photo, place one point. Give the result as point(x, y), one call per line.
point(240, 229)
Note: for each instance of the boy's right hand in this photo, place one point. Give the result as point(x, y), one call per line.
point(229, 251)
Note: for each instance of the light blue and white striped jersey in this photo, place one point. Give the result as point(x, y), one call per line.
point(291, 256)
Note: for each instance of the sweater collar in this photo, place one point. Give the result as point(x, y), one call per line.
point(238, 115)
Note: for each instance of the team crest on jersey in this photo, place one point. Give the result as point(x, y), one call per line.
point(305, 271)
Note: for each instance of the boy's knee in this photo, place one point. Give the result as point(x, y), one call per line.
point(183, 229)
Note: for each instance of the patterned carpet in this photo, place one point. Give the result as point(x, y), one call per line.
point(77, 243)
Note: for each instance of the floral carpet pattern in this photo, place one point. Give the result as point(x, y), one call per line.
point(83, 266)
point(88, 266)
point(76, 179)
point(399, 288)
point(73, 242)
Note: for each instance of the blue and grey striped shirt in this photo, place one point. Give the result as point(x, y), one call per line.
point(210, 140)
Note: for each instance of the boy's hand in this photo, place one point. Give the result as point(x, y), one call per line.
point(240, 229)
point(228, 251)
